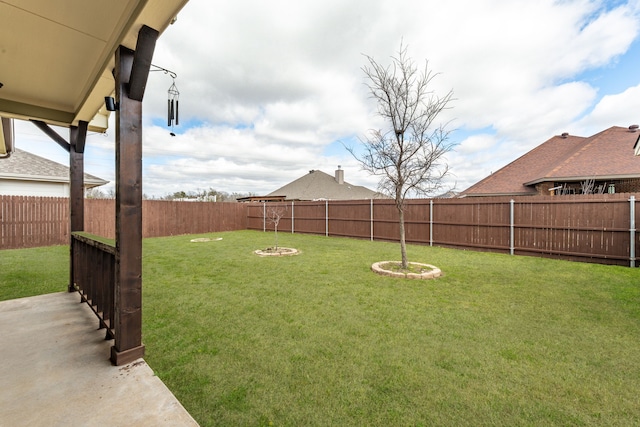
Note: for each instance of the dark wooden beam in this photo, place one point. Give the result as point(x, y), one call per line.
point(6, 136)
point(52, 134)
point(78, 136)
point(28, 110)
point(145, 46)
point(128, 315)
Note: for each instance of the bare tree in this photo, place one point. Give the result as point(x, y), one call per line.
point(587, 186)
point(409, 154)
point(97, 193)
point(94, 193)
point(273, 214)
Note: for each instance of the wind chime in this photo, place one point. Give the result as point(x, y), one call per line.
point(173, 116)
point(173, 95)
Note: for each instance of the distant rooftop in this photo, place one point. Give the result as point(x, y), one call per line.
point(317, 185)
point(26, 166)
point(566, 158)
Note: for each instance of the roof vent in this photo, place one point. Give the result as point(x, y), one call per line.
point(564, 134)
point(633, 128)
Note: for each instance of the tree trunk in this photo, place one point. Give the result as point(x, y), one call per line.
point(403, 243)
point(276, 233)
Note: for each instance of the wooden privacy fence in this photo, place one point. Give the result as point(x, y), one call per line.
point(166, 218)
point(27, 222)
point(593, 228)
point(43, 221)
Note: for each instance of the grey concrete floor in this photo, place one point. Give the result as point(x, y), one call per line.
point(55, 371)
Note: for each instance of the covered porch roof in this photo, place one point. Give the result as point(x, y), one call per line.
point(57, 57)
point(58, 62)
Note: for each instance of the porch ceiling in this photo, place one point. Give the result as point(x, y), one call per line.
point(57, 57)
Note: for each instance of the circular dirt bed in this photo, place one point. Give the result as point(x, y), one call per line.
point(277, 252)
point(206, 239)
point(418, 270)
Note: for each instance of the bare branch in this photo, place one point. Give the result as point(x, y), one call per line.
point(273, 214)
point(409, 155)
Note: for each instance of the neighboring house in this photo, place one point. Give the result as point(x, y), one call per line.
point(566, 164)
point(25, 174)
point(317, 185)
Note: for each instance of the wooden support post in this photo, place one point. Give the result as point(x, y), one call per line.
point(78, 136)
point(128, 316)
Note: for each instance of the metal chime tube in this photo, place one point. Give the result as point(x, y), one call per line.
point(173, 105)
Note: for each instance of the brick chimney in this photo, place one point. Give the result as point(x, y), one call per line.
point(339, 176)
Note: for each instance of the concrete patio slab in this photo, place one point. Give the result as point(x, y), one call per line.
point(55, 371)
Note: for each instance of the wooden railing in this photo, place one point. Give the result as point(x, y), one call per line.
point(93, 271)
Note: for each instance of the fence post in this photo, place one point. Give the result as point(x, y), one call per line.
point(511, 248)
point(632, 231)
point(292, 228)
point(264, 217)
point(431, 222)
point(371, 214)
point(326, 217)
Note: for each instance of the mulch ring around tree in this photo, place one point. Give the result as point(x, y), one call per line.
point(416, 270)
point(277, 251)
point(206, 239)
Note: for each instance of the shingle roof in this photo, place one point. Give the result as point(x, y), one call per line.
point(23, 165)
point(608, 154)
point(319, 185)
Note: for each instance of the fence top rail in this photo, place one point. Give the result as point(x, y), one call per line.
point(572, 198)
point(99, 242)
point(569, 199)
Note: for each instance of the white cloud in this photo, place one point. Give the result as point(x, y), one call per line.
point(266, 87)
point(613, 110)
point(476, 143)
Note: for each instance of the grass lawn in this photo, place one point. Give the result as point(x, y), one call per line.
point(318, 339)
point(35, 271)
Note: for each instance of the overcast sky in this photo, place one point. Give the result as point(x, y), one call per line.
point(271, 90)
